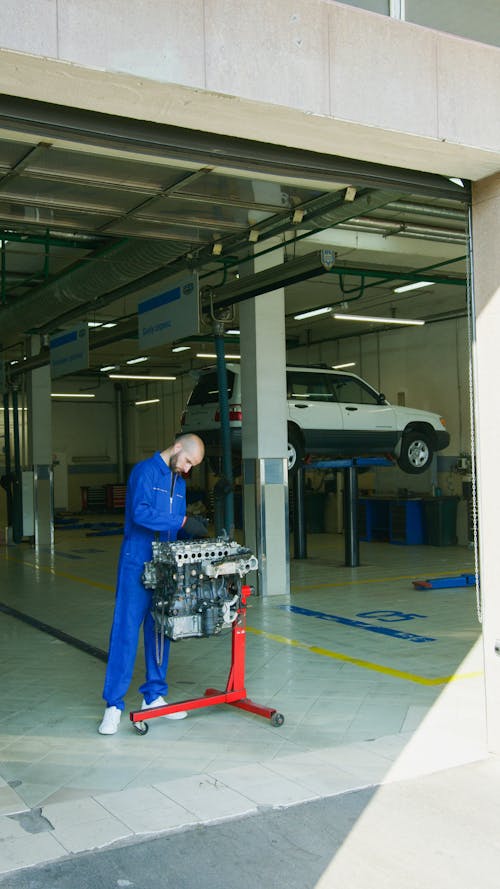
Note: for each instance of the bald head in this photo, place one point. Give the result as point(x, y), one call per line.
point(187, 451)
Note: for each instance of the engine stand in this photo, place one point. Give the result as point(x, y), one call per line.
point(235, 693)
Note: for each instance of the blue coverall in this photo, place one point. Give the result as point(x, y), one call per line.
point(155, 504)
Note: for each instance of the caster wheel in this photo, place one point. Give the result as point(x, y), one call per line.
point(277, 719)
point(142, 728)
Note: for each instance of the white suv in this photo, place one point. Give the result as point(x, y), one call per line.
point(329, 413)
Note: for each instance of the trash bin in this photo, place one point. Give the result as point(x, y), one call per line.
point(440, 521)
point(315, 512)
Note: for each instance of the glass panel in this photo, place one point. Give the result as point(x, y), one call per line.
point(477, 21)
point(206, 390)
point(127, 172)
point(352, 391)
point(251, 191)
point(309, 386)
point(50, 192)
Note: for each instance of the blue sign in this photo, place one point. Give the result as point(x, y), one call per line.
point(69, 351)
point(171, 315)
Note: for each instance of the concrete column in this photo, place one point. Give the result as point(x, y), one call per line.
point(40, 452)
point(265, 473)
point(486, 266)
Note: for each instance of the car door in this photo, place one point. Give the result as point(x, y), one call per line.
point(369, 424)
point(312, 407)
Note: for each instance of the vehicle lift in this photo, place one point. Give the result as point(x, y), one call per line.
point(351, 535)
point(441, 583)
point(235, 691)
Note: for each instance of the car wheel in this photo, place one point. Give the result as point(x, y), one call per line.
point(295, 451)
point(416, 452)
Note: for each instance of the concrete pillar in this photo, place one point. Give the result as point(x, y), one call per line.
point(40, 451)
point(486, 268)
point(265, 473)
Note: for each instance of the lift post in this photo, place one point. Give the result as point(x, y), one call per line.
point(351, 536)
point(235, 691)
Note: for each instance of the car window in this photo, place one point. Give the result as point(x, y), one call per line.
point(206, 390)
point(352, 391)
point(309, 386)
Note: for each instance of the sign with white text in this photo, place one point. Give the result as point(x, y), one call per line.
point(170, 315)
point(69, 351)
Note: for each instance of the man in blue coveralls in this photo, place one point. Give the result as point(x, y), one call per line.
point(155, 505)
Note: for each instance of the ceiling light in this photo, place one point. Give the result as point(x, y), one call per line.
point(72, 395)
point(416, 286)
point(108, 367)
point(145, 377)
point(340, 366)
point(233, 332)
point(213, 355)
point(378, 320)
point(216, 249)
point(136, 360)
point(180, 348)
point(148, 401)
point(109, 324)
point(313, 312)
point(457, 181)
point(94, 323)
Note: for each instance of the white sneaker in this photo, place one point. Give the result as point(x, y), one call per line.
point(160, 702)
point(111, 721)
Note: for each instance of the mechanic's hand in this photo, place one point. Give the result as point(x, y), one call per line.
point(194, 527)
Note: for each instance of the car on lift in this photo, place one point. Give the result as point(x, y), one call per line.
point(329, 412)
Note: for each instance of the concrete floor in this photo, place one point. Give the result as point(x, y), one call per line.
point(380, 684)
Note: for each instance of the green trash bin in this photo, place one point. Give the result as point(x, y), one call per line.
point(440, 521)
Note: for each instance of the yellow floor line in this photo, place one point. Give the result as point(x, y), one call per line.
point(51, 570)
point(295, 643)
point(366, 665)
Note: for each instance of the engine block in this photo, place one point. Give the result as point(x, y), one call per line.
point(197, 585)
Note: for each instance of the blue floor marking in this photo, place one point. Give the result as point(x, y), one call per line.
point(360, 624)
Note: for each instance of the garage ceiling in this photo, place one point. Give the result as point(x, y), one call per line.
point(93, 208)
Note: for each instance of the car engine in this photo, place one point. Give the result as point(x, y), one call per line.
point(197, 585)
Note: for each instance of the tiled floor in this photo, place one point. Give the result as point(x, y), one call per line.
point(377, 681)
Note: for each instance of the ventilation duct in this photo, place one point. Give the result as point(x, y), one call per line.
point(94, 283)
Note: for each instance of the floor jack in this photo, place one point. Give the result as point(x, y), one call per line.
point(235, 692)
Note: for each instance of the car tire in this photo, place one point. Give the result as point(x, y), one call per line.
point(295, 451)
point(416, 452)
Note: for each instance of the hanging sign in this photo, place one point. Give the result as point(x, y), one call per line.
point(69, 351)
point(170, 315)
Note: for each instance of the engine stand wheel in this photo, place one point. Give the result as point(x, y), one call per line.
point(142, 728)
point(277, 719)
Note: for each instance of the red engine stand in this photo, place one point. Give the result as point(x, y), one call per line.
point(235, 693)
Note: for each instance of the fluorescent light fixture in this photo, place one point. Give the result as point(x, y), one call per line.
point(144, 377)
point(180, 348)
point(109, 324)
point(72, 395)
point(415, 286)
point(137, 360)
point(457, 181)
point(340, 366)
point(94, 323)
point(108, 367)
point(378, 320)
point(213, 355)
point(313, 312)
point(233, 332)
point(148, 401)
